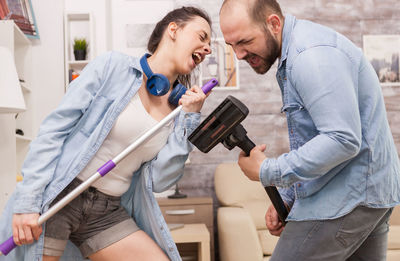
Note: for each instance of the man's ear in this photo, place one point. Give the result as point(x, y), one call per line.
point(172, 28)
point(274, 23)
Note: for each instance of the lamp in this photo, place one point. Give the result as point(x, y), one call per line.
point(11, 97)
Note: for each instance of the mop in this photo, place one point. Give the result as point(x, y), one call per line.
point(9, 244)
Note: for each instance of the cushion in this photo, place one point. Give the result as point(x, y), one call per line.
point(257, 210)
point(394, 237)
point(233, 188)
point(267, 241)
point(393, 255)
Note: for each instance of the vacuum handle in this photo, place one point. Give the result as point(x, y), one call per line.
point(278, 203)
point(247, 145)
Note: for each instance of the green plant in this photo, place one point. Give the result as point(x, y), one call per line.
point(80, 44)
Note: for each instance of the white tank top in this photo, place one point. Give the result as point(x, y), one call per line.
point(132, 123)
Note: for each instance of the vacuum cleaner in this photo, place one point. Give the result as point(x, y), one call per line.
point(9, 244)
point(223, 126)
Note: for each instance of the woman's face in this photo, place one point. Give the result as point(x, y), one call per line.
point(191, 44)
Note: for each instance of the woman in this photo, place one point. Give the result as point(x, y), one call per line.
point(104, 110)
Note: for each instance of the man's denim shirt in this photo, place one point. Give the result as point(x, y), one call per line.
point(342, 152)
point(70, 136)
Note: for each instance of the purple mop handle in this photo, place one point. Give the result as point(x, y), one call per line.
point(209, 85)
point(9, 244)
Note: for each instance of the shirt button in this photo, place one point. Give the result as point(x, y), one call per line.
point(284, 78)
point(299, 185)
point(291, 131)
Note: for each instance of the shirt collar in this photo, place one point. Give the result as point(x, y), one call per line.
point(288, 26)
point(135, 64)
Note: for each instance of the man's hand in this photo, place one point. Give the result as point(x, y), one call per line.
point(274, 225)
point(251, 165)
point(25, 228)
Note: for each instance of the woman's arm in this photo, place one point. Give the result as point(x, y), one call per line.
point(46, 148)
point(167, 167)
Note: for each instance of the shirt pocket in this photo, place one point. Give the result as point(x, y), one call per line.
point(94, 114)
point(300, 124)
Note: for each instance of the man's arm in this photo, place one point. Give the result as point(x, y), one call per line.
point(323, 78)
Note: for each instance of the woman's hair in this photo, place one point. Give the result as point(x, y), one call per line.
point(180, 16)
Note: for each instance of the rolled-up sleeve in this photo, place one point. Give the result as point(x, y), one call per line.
point(167, 167)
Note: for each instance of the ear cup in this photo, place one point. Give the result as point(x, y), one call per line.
point(176, 93)
point(157, 84)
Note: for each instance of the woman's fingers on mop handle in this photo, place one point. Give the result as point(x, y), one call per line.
point(26, 228)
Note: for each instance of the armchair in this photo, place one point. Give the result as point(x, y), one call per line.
point(242, 232)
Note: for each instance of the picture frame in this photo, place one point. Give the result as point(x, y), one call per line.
point(383, 53)
point(21, 12)
point(221, 64)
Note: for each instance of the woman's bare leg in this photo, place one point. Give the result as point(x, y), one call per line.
point(136, 246)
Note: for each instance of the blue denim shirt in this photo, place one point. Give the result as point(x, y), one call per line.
point(342, 152)
point(70, 136)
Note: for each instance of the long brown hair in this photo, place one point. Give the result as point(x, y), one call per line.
point(180, 16)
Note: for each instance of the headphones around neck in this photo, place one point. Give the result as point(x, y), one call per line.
point(158, 84)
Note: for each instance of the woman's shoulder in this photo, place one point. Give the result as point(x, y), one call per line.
point(118, 59)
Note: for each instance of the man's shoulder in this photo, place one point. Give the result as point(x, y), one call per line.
point(307, 34)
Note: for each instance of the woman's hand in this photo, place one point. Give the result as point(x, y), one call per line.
point(193, 99)
point(25, 228)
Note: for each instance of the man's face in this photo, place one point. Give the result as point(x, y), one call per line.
point(250, 41)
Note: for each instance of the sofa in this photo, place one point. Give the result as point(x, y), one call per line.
point(242, 233)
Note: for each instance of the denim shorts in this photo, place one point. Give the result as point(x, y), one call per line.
point(92, 221)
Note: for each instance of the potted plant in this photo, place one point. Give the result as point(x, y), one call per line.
point(80, 47)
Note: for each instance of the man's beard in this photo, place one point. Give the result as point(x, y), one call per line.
point(269, 57)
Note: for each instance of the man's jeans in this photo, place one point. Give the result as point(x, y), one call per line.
point(359, 235)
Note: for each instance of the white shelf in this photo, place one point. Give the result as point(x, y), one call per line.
point(10, 110)
point(23, 138)
point(78, 16)
point(77, 25)
point(25, 88)
point(84, 62)
point(19, 37)
point(14, 147)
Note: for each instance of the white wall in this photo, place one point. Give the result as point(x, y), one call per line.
point(47, 58)
point(125, 13)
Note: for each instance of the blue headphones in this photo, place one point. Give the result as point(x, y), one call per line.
point(158, 85)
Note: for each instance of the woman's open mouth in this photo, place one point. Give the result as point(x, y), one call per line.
point(197, 58)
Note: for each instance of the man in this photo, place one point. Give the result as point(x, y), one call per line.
point(341, 178)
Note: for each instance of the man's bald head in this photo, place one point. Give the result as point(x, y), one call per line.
point(257, 10)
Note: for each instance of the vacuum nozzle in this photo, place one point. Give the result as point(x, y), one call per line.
point(219, 124)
